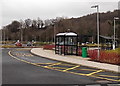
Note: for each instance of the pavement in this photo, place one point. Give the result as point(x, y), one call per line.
point(50, 54)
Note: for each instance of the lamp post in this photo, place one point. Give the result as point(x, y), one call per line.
point(115, 18)
point(98, 31)
point(4, 33)
point(3, 36)
point(54, 33)
point(53, 23)
point(7, 34)
point(21, 29)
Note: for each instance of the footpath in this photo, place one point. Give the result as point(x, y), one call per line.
point(50, 54)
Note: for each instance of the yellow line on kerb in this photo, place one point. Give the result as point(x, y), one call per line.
point(72, 68)
point(94, 72)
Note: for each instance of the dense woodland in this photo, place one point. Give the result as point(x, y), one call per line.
point(43, 30)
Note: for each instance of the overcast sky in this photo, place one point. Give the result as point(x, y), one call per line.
point(47, 9)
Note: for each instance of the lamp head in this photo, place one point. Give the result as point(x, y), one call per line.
point(116, 18)
point(94, 6)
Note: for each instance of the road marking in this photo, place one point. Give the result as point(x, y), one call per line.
point(22, 49)
point(72, 68)
point(94, 72)
point(105, 78)
point(54, 64)
point(90, 75)
point(60, 67)
point(18, 58)
point(109, 76)
point(67, 64)
point(93, 76)
point(28, 55)
point(43, 63)
point(24, 54)
point(86, 69)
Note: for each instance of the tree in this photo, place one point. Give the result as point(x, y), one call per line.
point(34, 23)
point(85, 25)
point(22, 23)
point(14, 26)
point(39, 23)
point(47, 22)
point(28, 23)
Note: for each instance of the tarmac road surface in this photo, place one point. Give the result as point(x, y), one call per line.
point(19, 66)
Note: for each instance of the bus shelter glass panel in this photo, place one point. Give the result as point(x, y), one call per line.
point(71, 45)
point(67, 45)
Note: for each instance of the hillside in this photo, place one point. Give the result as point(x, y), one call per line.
point(44, 30)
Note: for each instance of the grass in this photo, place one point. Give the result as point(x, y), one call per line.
point(8, 42)
point(95, 45)
point(8, 46)
point(42, 43)
point(117, 50)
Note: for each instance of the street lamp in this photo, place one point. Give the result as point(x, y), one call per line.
point(21, 29)
point(53, 23)
point(115, 18)
point(4, 33)
point(98, 31)
point(54, 33)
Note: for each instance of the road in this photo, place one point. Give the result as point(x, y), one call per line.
point(21, 67)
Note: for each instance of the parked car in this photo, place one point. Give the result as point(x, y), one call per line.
point(18, 44)
point(29, 44)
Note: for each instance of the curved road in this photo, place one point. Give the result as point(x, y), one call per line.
point(17, 68)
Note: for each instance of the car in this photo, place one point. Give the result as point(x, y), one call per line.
point(18, 44)
point(29, 44)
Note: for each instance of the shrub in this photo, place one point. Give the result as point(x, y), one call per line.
point(105, 56)
point(49, 47)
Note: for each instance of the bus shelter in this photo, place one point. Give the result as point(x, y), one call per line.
point(66, 43)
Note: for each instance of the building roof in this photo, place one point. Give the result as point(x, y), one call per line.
point(67, 34)
point(106, 37)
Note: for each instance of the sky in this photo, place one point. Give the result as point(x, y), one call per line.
point(47, 9)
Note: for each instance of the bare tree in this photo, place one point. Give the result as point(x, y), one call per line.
point(28, 23)
point(34, 23)
point(39, 23)
point(22, 23)
point(48, 22)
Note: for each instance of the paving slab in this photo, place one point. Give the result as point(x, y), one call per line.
point(74, 59)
